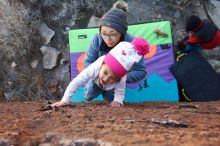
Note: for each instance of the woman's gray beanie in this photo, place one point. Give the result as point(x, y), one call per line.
point(116, 18)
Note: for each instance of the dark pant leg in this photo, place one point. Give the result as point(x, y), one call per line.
point(92, 90)
point(108, 95)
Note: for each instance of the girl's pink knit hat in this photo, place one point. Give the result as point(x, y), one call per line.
point(124, 55)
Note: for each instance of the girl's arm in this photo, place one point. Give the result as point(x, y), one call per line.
point(119, 93)
point(82, 78)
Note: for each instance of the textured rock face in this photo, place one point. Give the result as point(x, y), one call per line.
point(22, 73)
point(17, 45)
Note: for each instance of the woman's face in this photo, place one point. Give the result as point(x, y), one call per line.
point(110, 36)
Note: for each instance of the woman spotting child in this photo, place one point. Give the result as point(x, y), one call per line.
point(113, 28)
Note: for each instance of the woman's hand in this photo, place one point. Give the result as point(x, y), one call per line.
point(115, 104)
point(59, 104)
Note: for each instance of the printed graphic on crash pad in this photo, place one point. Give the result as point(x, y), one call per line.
point(159, 83)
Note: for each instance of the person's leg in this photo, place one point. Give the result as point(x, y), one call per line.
point(92, 90)
point(108, 95)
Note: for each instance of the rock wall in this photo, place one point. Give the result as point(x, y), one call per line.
point(27, 26)
point(34, 51)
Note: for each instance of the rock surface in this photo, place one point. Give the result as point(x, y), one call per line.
point(96, 124)
point(23, 75)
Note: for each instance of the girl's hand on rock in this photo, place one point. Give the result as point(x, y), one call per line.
point(115, 104)
point(59, 104)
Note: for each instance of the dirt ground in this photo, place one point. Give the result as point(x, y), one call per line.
point(96, 124)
